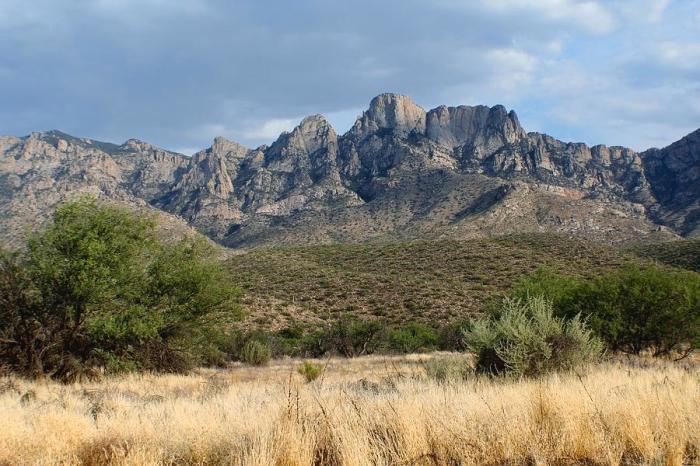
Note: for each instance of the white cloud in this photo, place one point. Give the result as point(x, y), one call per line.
point(594, 70)
point(680, 55)
point(270, 129)
point(645, 10)
point(590, 16)
point(511, 69)
point(189, 151)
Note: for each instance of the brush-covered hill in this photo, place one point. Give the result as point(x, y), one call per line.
point(683, 254)
point(433, 282)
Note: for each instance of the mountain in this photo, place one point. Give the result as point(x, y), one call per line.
point(399, 173)
point(41, 170)
point(674, 175)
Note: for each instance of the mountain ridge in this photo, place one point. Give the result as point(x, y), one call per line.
point(400, 172)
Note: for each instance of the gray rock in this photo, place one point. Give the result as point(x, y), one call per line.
point(399, 173)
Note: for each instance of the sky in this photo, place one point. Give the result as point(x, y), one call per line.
point(178, 73)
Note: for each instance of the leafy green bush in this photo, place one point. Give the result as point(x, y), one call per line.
point(632, 309)
point(526, 339)
point(413, 337)
point(256, 353)
point(348, 337)
point(447, 368)
point(98, 289)
point(310, 371)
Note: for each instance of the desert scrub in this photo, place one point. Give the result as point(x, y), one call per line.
point(310, 371)
point(527, 339)
point(256, 353)
point(448, 368)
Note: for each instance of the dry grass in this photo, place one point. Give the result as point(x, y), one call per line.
point(361, 412)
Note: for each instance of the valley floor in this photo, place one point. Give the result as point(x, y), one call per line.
point(364, 411)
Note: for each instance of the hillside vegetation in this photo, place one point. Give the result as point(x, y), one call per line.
point(432, 282)
point(682, 254)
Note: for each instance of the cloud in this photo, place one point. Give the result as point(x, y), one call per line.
point(682, 55)
point(643, 10)
point(270, 129)
point(591, 16)
point(179, 72)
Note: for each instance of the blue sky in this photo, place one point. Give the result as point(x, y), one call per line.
point(177, 73)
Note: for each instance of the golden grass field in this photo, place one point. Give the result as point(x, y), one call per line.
point(365, 411)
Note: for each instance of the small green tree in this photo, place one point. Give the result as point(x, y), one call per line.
point(633, 309)
point(310, 371)
point(97, 288)
point(526, 339)
point(348, 337)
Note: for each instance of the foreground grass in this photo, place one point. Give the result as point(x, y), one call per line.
point(361, 412)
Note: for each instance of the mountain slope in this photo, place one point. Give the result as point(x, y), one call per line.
point(41, 170)
point(426, 281)
point(674, 174)
point(399, 173)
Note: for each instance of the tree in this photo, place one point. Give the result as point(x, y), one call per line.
point(98, 289)
point(633, 309)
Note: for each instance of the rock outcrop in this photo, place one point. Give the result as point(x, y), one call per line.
point(674, 175)
point(399, 172)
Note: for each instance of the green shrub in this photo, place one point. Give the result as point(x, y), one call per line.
point(256, 353)
point(557, 288)
point(98, 289)
point(450, 336)
point(447, 368)
point(633, 309)
point(413, 337)
point(526, 339)
point(348, 337)
point(310, 371)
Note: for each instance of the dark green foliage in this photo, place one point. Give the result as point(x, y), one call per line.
point(346, 337)
point(558, 288)
point(450, 337)
point(527, 339)
point(98, 289)
point(632, 309)
point(413, 337)
point(349, 337)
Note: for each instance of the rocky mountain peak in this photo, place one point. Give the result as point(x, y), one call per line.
point(399, 172)
point(228, 148)
point(393, 112)
point(136, 145)
point(313, 135)
point(467, 125)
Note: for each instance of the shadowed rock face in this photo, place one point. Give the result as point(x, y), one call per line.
point(400, 172)
point(674, 174)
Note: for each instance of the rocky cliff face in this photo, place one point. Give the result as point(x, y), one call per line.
point(674, 175)
point(43, 169)
point(400, 172)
